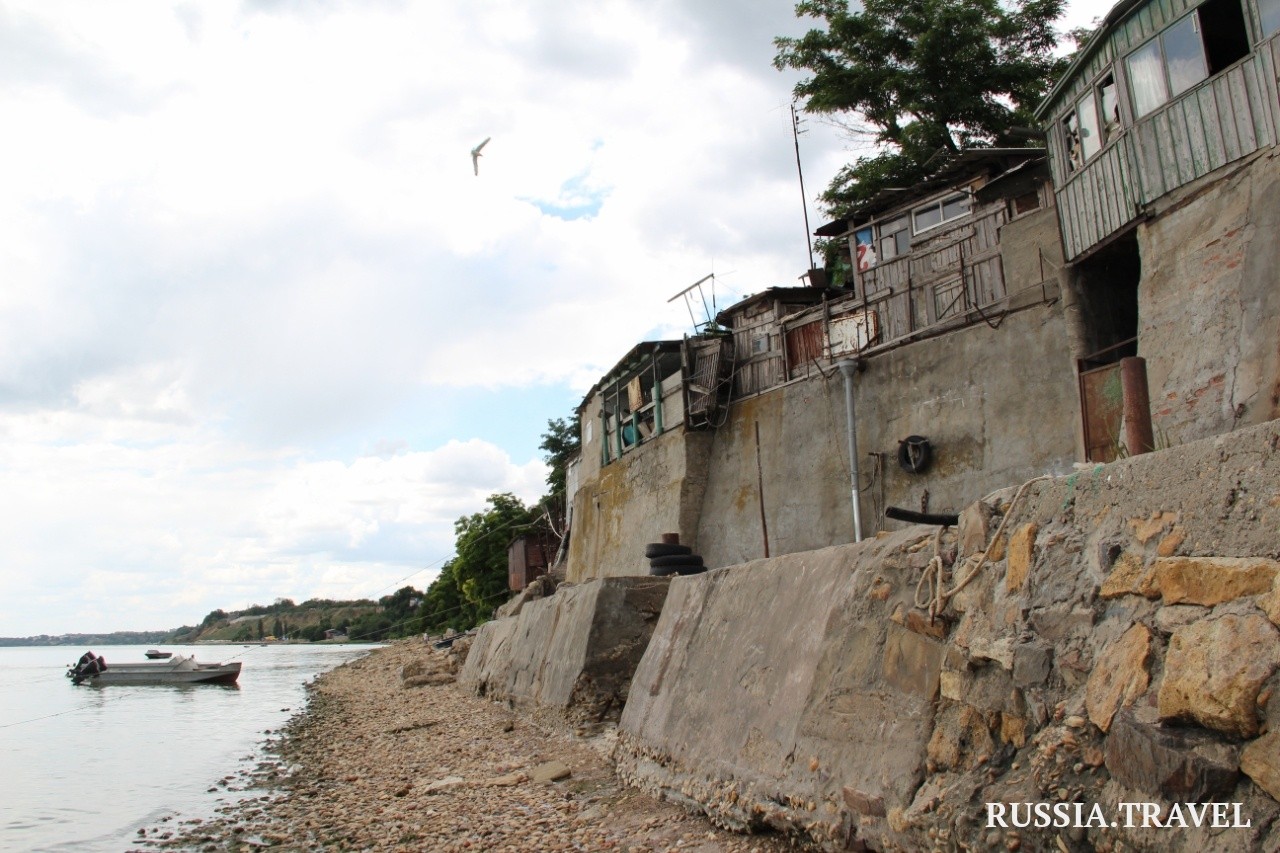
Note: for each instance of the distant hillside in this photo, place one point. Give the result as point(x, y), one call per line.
point(281, 620)
point(116, 638)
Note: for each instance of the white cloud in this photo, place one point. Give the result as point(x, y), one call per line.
point(245, 242)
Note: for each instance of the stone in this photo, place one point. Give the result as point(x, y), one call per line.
point(1213, 580)
point(1130, 575)
point(863, 803)
point(1167, 762)
point(975, 528)
point(1169, 544)
point(550, 771)
point(434, 679)
point(1270, 603)
point(960, 738)
point(1032, 663)
point(1174, 616)
point(920, 623)
point(912, 663)
point(1260, 761)
point(1215, 669)
point(1021, 551)
point(1146, 529)
point(1119, 676)
point(442, 784)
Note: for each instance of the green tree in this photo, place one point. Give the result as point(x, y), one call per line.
point(561, 444)
point(919, 76)
point(474, 582)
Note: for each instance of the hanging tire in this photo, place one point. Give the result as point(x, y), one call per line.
point(915, 452)
point(662, 549)
point(676, 560)
point(662, 571)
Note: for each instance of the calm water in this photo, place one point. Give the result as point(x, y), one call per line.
point(83, 768)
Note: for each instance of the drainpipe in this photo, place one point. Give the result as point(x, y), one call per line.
point(849, 367)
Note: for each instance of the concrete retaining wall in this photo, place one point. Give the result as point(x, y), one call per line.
point(1120, 646)
point(573, 652)
point(1212, 246)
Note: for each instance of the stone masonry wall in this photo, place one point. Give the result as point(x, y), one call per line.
point(1120, 645)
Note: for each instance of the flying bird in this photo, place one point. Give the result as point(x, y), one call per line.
point(475, 154)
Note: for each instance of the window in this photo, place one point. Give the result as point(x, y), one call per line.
point(1071, 140)
point(1194, 48)
point(1109, 98)
point(1270, 11)
point(895, 238)
point(760, 344)
point(944, 210)
point(1024, 203)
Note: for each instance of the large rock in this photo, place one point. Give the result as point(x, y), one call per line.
point(1182, 765)
point(1213, 580)
point(574, 651)
point(1214, 670)
point(1119, 677)
point(1261, 762)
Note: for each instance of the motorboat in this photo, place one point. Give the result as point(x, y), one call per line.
point(92, 669)
point(156, 654)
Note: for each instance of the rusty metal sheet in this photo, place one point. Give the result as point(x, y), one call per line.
point(1102, 406)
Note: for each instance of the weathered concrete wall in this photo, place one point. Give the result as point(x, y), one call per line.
point(573, 652)
point(1208, 304)
point(999, 405)
point(1121, 645)
point(654, 489)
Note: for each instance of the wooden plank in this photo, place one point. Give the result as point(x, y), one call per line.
point(1188, 115)
point(1223, 104)
point(1242, 101)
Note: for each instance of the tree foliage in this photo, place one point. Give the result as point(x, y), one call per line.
point(923, 76)
point(474, 582)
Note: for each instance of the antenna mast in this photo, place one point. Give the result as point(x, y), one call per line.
point(804, 198)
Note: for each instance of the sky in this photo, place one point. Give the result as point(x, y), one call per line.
point(264, 332)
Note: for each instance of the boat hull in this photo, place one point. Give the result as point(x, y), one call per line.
point(179, 670)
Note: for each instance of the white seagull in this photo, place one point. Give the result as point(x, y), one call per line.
point(475, 154)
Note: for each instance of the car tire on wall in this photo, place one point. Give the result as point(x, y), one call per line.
point(676, 560)
point(662, 549)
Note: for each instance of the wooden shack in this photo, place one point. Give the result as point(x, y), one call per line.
point(529, 558)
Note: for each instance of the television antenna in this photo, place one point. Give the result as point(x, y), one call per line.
point(708, 308)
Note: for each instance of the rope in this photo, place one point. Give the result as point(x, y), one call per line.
point(933, 577)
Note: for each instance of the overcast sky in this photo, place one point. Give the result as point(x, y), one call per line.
point(264, 333)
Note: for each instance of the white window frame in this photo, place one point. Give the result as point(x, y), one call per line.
point(940, 205)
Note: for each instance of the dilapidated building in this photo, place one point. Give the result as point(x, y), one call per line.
point(738, 440)
point(1162, 144)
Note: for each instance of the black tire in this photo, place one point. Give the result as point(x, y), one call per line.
point(676, 560)
point(662, 549)
point(661, 571)
point(690, 570)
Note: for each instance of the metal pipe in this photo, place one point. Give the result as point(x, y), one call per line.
point(1137, 406)
point(849, 367)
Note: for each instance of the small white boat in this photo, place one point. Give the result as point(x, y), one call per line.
point(156, 654)
point(92, 669)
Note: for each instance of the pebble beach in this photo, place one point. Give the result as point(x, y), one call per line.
point(391, 755)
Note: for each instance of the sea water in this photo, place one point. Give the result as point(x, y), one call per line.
point(83, 768)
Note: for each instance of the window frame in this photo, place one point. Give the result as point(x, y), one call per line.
point(939, 204)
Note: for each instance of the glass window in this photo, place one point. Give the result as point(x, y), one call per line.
point(1270, 11)
point(1090, 137)
point(1184, 55)
point(895, 238)
point(1110, 99)
point(942, 211)
point(1071, 141)
point(927, 217)
point(1146, 78)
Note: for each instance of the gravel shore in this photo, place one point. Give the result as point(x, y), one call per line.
point(391, 755)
